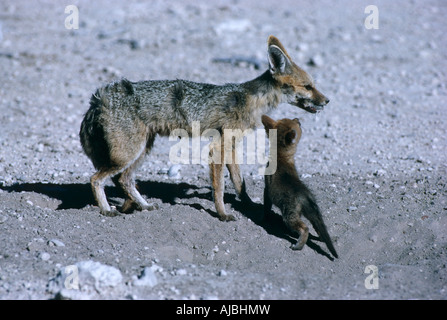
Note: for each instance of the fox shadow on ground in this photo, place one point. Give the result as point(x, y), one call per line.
point(78, 196)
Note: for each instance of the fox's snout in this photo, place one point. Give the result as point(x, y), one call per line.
point(319, 99)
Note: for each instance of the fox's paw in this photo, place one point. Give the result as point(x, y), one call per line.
point(151, 207)
point(297, 246)
point(227, 217)
point(110, 213)
point(146, 206)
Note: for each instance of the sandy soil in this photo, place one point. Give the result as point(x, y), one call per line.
point(375, 157)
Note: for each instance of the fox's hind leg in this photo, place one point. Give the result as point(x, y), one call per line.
point(236, 177)
point(97, 182)
point(218, 182)
point(238, 182)
point(126, 180)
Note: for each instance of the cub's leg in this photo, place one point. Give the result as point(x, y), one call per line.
point(295, 224)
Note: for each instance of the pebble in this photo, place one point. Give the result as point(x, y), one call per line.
point(316, 61)
point(56, 243)
point(222, 273)
point(173, 171)
point(45, 256)
point(3, 218)
point(181, 272)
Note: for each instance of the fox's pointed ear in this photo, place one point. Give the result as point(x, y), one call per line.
point(268, 122)
point(290, 137)
point(278, 60)
point(275, 42)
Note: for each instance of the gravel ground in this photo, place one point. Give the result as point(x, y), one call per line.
point(375, 157)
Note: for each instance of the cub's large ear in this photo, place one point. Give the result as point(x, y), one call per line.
point(268, 122)
point(290, 137)
point(278, 60)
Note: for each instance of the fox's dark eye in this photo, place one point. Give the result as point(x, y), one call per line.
point(308, 87)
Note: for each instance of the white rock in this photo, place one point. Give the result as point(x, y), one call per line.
point(84, 280)
point(181, 272)
point(3, 218)
point(104, 275)
point(174, 171)
point(147, 278)
point(45, 256)
point(56, 243)
point(222, 273)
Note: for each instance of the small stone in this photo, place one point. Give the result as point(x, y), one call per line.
point(174, 171)
point(45, 256)
point(380, 172)
point(56, 243)
point(222, 273)
point(316, 61)
point(181, 272)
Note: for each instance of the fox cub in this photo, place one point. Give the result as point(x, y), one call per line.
point(124, 117)
point(286, 191)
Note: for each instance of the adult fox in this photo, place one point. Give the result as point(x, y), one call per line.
point(124, 118)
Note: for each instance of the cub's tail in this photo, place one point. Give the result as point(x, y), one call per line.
point(313, 214)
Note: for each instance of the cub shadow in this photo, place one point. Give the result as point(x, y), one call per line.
point(78, 196)
point(273, 224)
